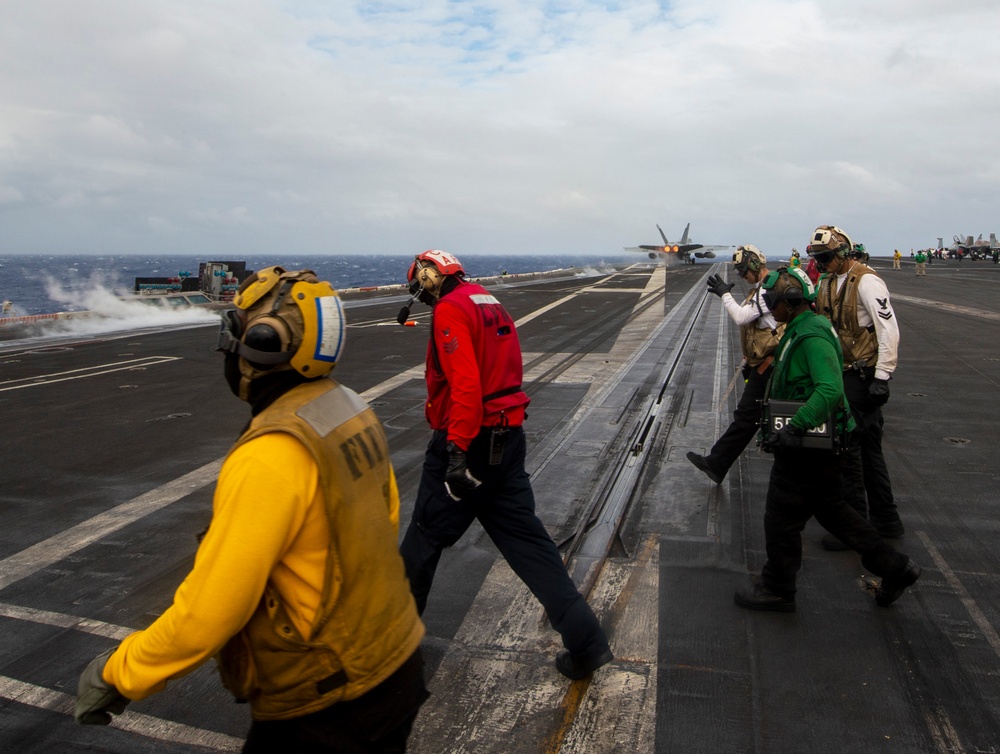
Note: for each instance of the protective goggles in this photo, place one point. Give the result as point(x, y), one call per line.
point(742, 264)
point(828, 241)
point(823, 257)
point(770, 296)
point(230, 332)
point(772, 299)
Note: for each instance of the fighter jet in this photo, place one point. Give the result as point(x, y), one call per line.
point(681, 250)
point(966, 246)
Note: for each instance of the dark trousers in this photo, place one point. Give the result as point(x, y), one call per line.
point(867, 487)
point(746, 421)
point(505, 506)
point(378, 722)
point(803, 484)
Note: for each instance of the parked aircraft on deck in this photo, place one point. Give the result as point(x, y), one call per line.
point(681, 250)
point(966, 246)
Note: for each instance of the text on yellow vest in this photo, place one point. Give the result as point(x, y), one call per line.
point(367, 623)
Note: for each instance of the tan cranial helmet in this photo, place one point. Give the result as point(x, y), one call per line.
point(284, 320)
point(748, 257)
point(829, 238)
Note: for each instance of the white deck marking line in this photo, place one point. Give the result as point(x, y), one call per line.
point(977, 615)
point(721, 353)
point(548, 307)
point(618, 713)
point(132, 722)
point(63, 620)
point(55, 548)
point(119, 366)
point(33, 559)
point(417, 372)
point(377, 391)
point(955, 308)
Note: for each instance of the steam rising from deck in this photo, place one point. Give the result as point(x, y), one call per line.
point(108, 312)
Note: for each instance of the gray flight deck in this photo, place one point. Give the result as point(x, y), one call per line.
point(110, 447)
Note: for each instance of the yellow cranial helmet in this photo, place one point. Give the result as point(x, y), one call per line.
point(284, 320)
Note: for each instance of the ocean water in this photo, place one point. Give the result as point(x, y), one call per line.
point(47, 284)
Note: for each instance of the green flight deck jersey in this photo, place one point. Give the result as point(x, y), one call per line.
point(808, 367)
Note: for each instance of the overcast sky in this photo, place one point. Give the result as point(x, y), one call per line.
point(236, 127)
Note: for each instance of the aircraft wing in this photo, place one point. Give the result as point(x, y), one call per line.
point(685, 249)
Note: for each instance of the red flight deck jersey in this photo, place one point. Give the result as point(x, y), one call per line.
point(474, 365)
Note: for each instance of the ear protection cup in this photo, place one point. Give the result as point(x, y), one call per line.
point(269, 334)
point(428, 273)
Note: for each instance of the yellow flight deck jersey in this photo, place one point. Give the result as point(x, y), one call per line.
point(268, 558)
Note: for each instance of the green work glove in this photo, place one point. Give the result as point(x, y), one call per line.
point(97, 700)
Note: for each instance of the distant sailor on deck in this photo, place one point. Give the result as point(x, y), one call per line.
point(298, 589)
point(759, 334)
point(474, 464)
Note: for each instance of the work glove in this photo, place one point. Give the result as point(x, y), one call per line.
point(878, 392)
point(718, 286)
point(97, 700)
point(788, 436)
point(458, 480)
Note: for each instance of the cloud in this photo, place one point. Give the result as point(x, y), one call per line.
point(496, 127)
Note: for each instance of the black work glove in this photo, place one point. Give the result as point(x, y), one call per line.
point(787, 437)
point(878, 392)
point(97, 700)
point(457, 480)
point(718, 286)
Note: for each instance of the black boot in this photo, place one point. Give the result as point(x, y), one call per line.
point(892, 588)
point(702, 463)
point(759, 598)
point(580, 666)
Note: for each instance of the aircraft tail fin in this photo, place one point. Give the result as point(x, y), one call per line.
point(663, 235)
point(684, 238)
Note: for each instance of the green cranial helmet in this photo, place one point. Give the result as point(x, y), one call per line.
point(788, 284)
